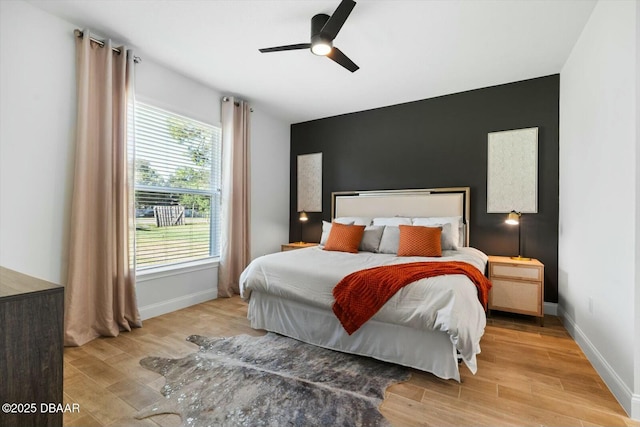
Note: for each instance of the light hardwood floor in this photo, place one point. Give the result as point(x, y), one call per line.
point(527, 375)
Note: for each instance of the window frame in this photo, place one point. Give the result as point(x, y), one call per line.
point(149, 272)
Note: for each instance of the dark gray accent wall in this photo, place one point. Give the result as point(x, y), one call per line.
point(442, 142)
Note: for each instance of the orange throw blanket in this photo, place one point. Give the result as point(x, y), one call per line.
point(360, 295)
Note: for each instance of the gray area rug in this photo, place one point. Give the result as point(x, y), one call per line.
point(271, 381)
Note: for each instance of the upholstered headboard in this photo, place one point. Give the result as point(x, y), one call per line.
point(429, 202)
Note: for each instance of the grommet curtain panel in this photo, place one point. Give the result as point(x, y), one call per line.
point(235, 209)
point(100, 297)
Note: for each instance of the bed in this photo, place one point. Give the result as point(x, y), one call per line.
point(426, 325)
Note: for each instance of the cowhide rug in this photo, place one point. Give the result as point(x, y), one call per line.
point(271, 381)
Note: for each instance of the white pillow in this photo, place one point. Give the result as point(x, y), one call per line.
point(353, 220)
point(390, 240)
point(456, 224)
point(394, 221)
point(447, 240)
point(371, 238)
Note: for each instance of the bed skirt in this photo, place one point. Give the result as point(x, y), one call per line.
point(429, 351)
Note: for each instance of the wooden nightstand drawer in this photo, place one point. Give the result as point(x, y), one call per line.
point(516, 271)
point(515, 296)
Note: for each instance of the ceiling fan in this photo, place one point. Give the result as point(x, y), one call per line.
point(324, 29)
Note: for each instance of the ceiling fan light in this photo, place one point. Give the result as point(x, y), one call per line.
point(321, 48)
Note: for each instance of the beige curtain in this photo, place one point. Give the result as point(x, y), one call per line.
point(234, 250)
point(100, 298)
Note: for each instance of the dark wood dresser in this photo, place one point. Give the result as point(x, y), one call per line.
point(31, 350)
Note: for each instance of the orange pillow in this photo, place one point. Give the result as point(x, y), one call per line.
point(344, 238)
point(416, 240)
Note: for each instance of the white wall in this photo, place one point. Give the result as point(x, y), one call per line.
point(270, 152)
point(598, 262)
point(37, 117)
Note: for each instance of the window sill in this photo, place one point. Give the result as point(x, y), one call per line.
point(152, 273)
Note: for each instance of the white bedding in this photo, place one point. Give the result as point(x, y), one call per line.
point(444, 303)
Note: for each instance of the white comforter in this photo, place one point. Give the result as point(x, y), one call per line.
point(445, 303)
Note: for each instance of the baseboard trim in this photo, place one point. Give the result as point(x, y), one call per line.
point(551, 308)
point(164, 307)
point(629, 402)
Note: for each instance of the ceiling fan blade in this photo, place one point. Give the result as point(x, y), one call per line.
point(342, 59)
point(336, 21)
point(286, 47)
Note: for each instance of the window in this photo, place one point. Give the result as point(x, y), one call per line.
point(177, 188)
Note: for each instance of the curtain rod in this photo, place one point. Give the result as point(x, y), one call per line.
point(79, 33)
point(236, 103)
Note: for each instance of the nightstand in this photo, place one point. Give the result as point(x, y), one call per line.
point(296, 245)
point(518, 286)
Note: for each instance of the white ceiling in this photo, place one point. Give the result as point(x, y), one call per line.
point(406, 50)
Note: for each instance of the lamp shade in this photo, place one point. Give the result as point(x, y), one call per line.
point(513, 218)
point(303, 216)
